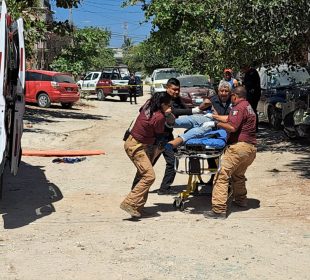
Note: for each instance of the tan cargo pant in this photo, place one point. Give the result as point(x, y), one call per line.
point(234, 163)
point(140, 156)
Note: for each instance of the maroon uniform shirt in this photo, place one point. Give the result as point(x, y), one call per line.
point(243, 119)
point(147, 128)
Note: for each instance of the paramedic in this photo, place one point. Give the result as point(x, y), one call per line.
point(149, 125)
point(238, 156)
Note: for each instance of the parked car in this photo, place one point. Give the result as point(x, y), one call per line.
point(160, 77)
point(285, 98)
point(46, 87)
point(194, 89)
point(89, 82)
point(112, 84)
point(139, 84)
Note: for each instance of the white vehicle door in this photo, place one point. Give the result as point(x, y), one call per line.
point(18, 41)
point(93, 82)
point(86, 82)
point(3, 76)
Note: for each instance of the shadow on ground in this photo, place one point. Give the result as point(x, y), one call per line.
point(49, 115)
point(27, 197)
point(107, 99)
point(194, 204)
point(197, 205)
point(278, 142)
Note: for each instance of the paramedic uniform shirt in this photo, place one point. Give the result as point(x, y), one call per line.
point(146, 129)
point(243, 119)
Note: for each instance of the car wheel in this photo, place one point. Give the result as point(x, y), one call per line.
point(67, 105)
point(100, 95)
point(274, 118)
point(123, 98)
point(43, 100)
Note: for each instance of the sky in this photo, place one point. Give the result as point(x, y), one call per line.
point(108, 14)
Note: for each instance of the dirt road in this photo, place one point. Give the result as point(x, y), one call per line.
point(62, 221)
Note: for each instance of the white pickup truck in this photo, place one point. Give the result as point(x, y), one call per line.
point(111, 81)
point(89, 82)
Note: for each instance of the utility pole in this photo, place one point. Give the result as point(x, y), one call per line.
point(125, 25)
point(70, 19)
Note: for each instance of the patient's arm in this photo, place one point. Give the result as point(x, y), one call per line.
point(205, 104)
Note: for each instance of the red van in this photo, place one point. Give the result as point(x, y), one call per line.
point(46, 87)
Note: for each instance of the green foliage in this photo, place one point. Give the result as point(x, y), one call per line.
point(209, 35)
point(88, 51)
point(34, 24)
point(66, 4)
point(146, 57)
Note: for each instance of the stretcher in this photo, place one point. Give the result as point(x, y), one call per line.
point(192, 158)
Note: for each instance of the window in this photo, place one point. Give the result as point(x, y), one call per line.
point(166, 74)
point(105, 75)
point(64, 79)
point(194, 81)
point(47, 78)
point(115, 76)
point(33, 76)
point(88, 77)
point(95, 76)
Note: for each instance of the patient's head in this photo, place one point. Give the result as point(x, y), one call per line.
point(224, 91)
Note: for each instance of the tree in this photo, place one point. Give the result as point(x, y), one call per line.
point(34, 25)
point(88, 52)
point(146, 57)
point(209, 35)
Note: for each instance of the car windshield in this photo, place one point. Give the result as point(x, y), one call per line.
point(289, 77)
point(166, 74)
point(64, 79)
point(194, 81)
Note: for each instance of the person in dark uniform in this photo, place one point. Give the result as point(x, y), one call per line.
point(132, 88)
point(251, 81)
point(149, 125)
point(238, 156)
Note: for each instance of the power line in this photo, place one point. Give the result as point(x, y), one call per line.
point(110, 10)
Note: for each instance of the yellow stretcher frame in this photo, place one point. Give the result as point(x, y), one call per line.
point(195, 179)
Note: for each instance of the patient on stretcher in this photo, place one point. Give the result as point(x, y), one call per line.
point(195, 132)
point(199, 125)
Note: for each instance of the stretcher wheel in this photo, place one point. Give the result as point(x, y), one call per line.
point(178, 204)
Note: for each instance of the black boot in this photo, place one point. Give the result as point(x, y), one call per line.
point(213, 215)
